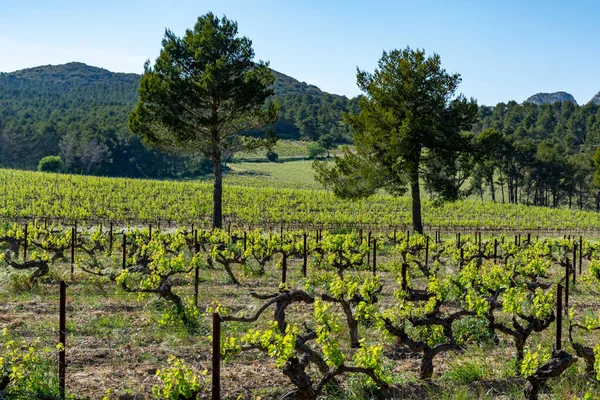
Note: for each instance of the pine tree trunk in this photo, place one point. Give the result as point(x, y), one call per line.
point(218, 194)
point(510, 188)
point(415, 190)
point(492, 188)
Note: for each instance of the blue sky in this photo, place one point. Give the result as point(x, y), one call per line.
point(504, 50)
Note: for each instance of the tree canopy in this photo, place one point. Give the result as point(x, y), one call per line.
point(408, 116)
point(204, 95)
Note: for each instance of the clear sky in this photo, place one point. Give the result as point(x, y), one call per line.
point(504, 50)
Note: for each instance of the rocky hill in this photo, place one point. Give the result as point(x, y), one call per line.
point(550, 98)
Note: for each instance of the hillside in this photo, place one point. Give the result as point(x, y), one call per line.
point(75, 78)
point(80, 112)
point(596, 99)
point(288, 86)
point(550, 98)
point(308, 113)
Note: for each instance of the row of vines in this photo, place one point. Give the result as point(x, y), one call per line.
point(352, 304)
point(69, 198)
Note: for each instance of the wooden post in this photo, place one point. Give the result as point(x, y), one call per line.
point(197, 269)
point(283, 269)
point(580, 253)
point(394, 235)
point(567, 268)
point(558, 317)
point(360, 235)
point(216, 358)
point(374, 257)
point(458, 246)
point(245, 240)
point(25, 244)
point(73, 234)
point(404, 283)
point(369, 249)
point(62, 340)
point(305, 257)
point(495, 249)
point(574, 263)
point(426, 250)
point(110, 238)
point(150, 232)
point(124, 261)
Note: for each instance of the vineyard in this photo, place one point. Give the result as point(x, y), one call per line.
point(296, 314)
point(252, 201)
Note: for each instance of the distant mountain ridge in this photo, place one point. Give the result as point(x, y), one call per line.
point(80, 112)
point(550, 98)
point(596, 99)
point(64, 77)
point(71, 74)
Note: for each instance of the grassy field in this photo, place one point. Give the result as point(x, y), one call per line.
point(286, 150)
point(290, 174)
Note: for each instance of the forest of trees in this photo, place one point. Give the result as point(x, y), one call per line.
point(541, 155)
point(521, 153)
point(309, 113)
point(80, 113)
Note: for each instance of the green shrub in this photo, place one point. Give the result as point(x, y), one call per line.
point(51, 164)
point(179, 381)
point(20, 283)
point(466, 372)
point(272, 156)
point(315, 150)
point(26, 369)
